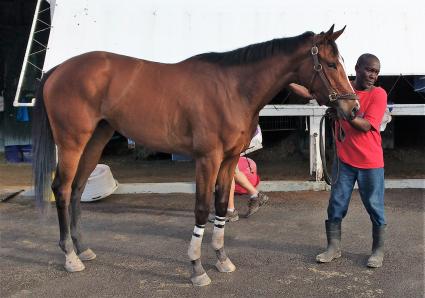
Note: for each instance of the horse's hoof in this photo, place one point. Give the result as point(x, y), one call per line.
point(201, 280)
point(73, 263)
point(87, 255)
point(226, 266)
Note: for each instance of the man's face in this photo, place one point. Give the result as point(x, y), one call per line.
point(367, 73)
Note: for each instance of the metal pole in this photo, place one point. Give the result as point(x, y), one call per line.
point(16, 102)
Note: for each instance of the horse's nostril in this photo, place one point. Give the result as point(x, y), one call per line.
point(354, 112)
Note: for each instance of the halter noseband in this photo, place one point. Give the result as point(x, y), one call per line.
point(318, 69)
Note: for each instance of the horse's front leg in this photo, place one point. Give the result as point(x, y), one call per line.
point(206, 175)
point(223, 187)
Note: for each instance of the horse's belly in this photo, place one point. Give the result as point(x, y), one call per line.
point(154, 130)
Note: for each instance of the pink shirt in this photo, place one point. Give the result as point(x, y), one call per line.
point(363, 149)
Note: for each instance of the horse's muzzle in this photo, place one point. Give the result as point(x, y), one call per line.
point(354, 112)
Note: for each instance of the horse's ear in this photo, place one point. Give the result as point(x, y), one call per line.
point(336, 34)
point(330, 31)
point(322, 37)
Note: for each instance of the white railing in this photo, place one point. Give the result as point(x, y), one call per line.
point(315, 112)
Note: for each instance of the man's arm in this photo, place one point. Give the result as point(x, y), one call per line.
point(360, 124)
point(372, 117)
point(299, 90)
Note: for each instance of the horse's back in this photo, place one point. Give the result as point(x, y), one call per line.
point(132, 94)
point(89, 72)
point(163, 106)
point(90, 80)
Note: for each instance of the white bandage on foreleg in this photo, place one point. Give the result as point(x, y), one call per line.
point(194, 251)
point(218, 232)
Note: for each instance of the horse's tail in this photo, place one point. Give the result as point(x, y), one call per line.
point(43, 147)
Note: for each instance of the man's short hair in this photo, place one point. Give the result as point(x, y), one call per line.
point(364, 57)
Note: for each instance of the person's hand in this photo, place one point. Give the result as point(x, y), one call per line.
point(300, 90)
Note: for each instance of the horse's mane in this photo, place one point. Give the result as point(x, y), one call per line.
point(256, 52)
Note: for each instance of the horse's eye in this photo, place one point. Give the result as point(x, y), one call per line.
point(332, 65)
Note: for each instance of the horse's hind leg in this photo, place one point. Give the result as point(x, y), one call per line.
point(224, 181)
point(88, 162)
point(69, 153)
point(206, 175)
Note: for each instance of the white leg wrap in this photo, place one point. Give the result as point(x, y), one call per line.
point(218, 233)
point(194, 251)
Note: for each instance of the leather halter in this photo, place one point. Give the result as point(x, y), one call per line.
point(318, 69)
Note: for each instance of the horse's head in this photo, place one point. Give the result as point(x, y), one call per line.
point(323, 73)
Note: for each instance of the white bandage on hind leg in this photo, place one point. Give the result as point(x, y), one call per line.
point(73, 263)
point(218, 232)
point(194, 251)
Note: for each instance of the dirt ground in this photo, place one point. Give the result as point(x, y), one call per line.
point(141, 244)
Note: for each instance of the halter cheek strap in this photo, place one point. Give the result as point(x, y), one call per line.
point(318, 70)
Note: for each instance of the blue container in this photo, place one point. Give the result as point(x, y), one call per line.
point(13, 153)
point(26, 151)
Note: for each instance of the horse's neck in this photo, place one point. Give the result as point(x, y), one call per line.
point(262, 81)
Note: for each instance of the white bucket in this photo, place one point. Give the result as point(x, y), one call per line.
point(100, 184)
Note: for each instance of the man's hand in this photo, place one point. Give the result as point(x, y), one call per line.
point(300, 90)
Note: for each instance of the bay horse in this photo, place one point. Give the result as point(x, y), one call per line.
point(206, 106)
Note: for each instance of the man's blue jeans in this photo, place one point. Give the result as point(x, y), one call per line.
point(371, 189)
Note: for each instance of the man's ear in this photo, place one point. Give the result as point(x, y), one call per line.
point(356, 67)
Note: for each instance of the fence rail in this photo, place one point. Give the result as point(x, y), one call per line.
point(315, 112)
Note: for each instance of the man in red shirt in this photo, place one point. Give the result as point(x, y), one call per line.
point(360, 160)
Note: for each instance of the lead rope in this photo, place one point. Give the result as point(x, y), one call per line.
point(340, 137)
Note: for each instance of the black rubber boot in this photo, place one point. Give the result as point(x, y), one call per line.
point(377, 257)
point(333, 234)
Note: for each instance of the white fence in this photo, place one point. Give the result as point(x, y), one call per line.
point(315, 112)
